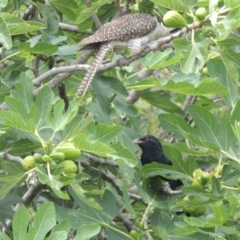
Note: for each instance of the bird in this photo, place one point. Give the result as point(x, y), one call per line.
point(130, 30)
point(152, 151)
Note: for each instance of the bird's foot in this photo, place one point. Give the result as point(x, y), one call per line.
point(167, 189)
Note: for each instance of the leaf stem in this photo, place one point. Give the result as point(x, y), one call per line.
point(230, 156)
point(121, 232)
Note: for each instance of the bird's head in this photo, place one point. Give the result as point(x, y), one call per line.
point(152, 150)
point(148, 142)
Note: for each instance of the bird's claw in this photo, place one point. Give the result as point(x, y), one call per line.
point(167, 189)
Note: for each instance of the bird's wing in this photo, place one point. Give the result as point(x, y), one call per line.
point(124, 28)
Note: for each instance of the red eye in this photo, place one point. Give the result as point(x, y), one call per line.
point(146, 139)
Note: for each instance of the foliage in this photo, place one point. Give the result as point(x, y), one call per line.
point(192, 93)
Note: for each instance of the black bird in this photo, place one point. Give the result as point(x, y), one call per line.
point(152, 151)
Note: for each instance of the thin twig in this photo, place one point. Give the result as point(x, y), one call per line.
point(63, 95)
point(61, 77)
point(145, 225)
point(7, 156)
point(29, 11)
point(94, 15)
point(100, 160)
point(36, 66)
point(126, 222)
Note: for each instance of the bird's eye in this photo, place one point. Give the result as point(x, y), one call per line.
point(146, 139)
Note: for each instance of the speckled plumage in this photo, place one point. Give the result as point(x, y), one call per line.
point(131, 30)
point(127, 27)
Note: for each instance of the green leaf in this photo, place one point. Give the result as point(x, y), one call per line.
point(20, 223)
point(160, 59)
point(9, 182)
point(76, 126)
point(17, 106)
point(6, 211)
point(221, 212)
point(124, 107)
point(123, 154)
point(5, 37)
point(144, 84)
point(23, 91)
point(3, 3)
point(38, 48)
point(13, 168)
point(162, 101)
point(210, 130)
point(206, 124)
point(43, 222)
point(185, 149)
point(236, 112)
point(6, 237)
point(194, 54)
point(218, 71)
point(14, 120)
point(64, 225)
point(55, 182)
point(180, 168)
point(89, 215)
point(229, 64)
point(60, 235)
point(66, 7)
point(86, 232)
point(174, 124)
point(24, 146)
point(80, 194)
point(185, 231)
point(102, 132)
point(232, 4)
point(59, 119)
point(87, 12)
point(196, 191)
point(172, 4)
point(104, 86)
point(206, 86)
point(18, 26)
point(43, 102)
point(50, 17)
point(97, 148)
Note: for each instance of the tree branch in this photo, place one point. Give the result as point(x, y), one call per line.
point(7, 156)
point(94, 15)
point(126, 222)
point(100, 160)
point(159, 45)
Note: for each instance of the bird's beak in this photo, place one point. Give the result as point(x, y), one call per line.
point(137, 141)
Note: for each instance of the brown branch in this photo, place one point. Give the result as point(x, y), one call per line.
point(63, 95)
point(29, 11)
point(100, 160)
point(126, 222)
point(56, 70)
point(94, 15)
point(161, 44)
point(61, 77)
point(134, 95)
point(7, 156)
point(145, 225)
point(31, 194)
point(102, 235)
point(188, 101)
point(36, 65)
